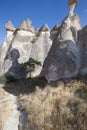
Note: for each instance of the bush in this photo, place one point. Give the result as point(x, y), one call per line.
point(3, 79)
point(29, 65)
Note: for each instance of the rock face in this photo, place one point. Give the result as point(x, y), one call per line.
point(54, 31)
point(4, 49)
point(41, 46)
point(67, 56)
point(20, 44)
point(63, 58)
point(9, 26)
point(82, 43)
point(27, 26)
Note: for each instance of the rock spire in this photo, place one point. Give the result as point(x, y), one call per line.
point(44, 28)
point(27, 26)
point(9, 26)
point(72, 4)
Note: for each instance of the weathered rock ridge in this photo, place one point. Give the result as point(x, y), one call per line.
point(21, 44)
point(62, 51)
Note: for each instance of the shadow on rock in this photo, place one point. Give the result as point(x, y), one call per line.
point(15, 71)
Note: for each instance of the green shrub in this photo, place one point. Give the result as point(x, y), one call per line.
point(29, 65)
point(3, 79)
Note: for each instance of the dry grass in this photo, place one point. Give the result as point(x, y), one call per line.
point(56, 108)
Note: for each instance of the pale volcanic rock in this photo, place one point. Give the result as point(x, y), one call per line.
point(27, 26)
point(44, 28)
point(41, 46)
point(9, 26)
point(22, 44)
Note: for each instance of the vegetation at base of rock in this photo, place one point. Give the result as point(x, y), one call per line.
point(7, 79)
point(30, 64)
point(3, 79)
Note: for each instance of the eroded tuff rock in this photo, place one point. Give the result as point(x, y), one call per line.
point(9, 26)
point(72, 4)
point(20, 45)
point(17, 51)
point(44, 28)
point(82, 43)
point(63, 60)
point(54, 31)
point(27, 26)
point(4, 49)
point(41, 46)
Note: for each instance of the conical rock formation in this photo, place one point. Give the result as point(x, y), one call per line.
point(63, 60)
point(21, 45)
point(27, 26)
point(9, 26)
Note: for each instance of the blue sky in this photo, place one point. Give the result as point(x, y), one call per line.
point(47, 11)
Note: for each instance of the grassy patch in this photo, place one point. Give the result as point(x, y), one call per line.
point(3, 79)
point(56, 108)
point(78, 88)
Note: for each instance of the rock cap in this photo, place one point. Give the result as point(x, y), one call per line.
point(26, 25)
point(55, 28)
point(70, 2)
point(9, 26)
point(44, 28)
